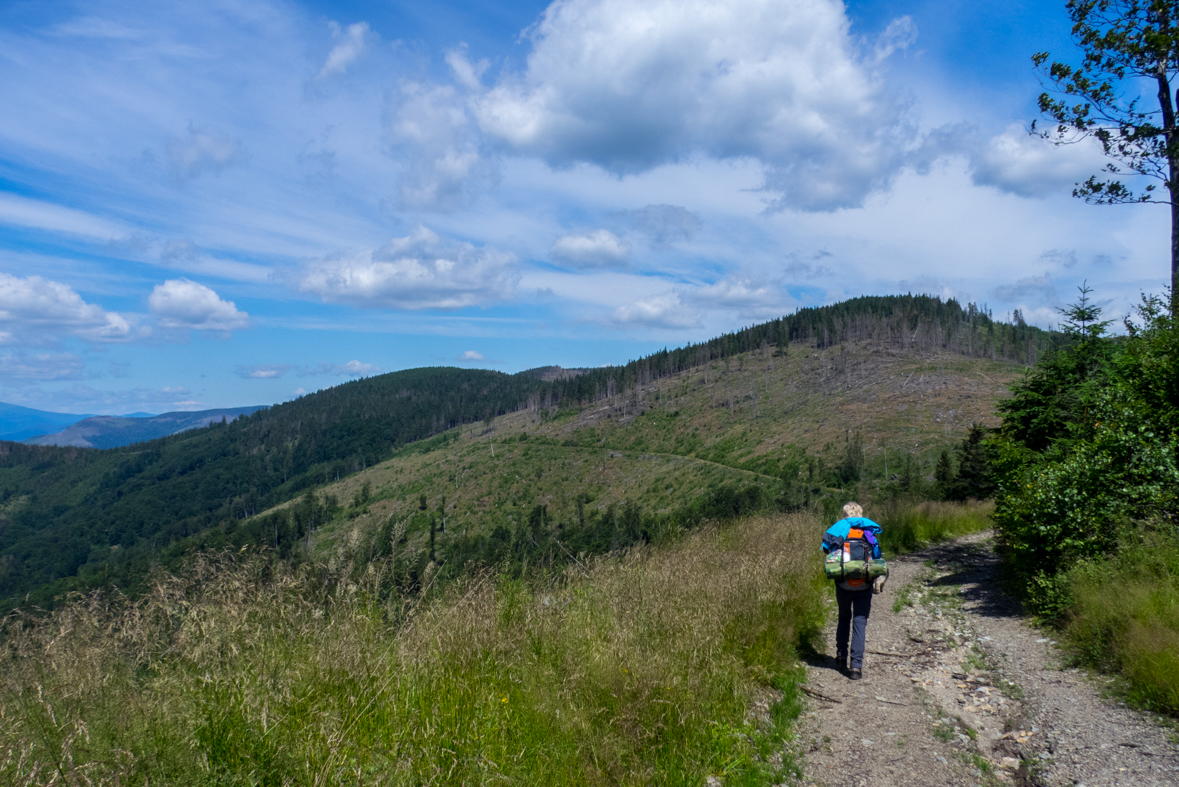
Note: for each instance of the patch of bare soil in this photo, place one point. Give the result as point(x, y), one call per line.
point(959, 690)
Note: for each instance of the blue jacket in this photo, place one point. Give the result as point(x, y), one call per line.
point(837, 533)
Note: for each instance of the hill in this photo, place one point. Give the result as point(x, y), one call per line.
point(20, 423)
point(114, 431)
point(866, 380)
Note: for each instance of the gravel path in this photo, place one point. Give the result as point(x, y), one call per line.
point(968, 695)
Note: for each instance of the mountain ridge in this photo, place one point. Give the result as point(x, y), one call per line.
point(113, 431)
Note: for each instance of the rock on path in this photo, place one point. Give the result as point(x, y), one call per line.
point(969, 694)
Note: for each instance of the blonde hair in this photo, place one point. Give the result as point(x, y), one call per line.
point(853, 509)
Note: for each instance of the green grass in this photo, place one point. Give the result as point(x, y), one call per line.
point(634, 669)
point(1124, 618)
point(907, 526)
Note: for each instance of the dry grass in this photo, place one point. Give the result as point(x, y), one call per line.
point(634, 669)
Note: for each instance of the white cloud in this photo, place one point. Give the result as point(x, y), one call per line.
point(41, 366)
point(25, 212)
point(663, 224)
point(32, 308)
point(181, 303)
point(203, 149)
point(262, 371)
point(419, 271)
point(470, 356)
point(597, 249)
point(1022, 164)
point(901, 33)
point(350, 369)
point(186, 256)
point(433, 124)
point(350, 44)
point(629, 86)
point(468, 74)
point(660, 311)
point(748, 297)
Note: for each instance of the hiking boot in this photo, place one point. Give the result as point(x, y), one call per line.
point(841, 664)
point(856, 673)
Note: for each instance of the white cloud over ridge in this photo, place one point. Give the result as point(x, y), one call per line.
point(182, 303)
point(592, 250)
point(660, 311)
point(419, 271)
point(629, 86)
point(350, 369)
point(33, 309)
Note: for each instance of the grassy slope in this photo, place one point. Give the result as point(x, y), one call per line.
point(632, 670)
point(671, 441)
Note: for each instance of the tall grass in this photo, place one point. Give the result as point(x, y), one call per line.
point(908, 525)
point(634, 669)
point(1124, 618)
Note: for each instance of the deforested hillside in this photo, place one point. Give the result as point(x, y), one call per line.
point(836, 390)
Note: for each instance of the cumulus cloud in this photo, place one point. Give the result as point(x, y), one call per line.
point(262, 371)
point(181, 303)
point(202, 150)
point(593, 250)
point(32, 309)
point(419, 271)
point(748, 297)
point(660, 311)
point(629, 86)
point(470, 356)
point(350, 44)
point(663, 224)
point(1019, 163)
point(432, 124)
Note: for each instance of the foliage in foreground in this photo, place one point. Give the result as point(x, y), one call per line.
point(634, 669)
point(1089, 455)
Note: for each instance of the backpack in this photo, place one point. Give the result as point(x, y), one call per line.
point(855, 560)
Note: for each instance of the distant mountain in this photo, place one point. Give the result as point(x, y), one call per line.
point(113, 431)
point(18, 423)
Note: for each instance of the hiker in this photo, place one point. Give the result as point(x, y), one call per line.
point(854, 596)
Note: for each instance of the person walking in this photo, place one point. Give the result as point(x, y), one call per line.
point(853, 596)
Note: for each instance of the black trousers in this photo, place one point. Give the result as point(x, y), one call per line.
point(854, 608)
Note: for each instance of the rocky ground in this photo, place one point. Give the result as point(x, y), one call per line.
point(959, 690)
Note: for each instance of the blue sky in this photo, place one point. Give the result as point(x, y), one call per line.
point(231, 203)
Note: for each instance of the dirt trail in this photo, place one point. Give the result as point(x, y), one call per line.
point(973, 696)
